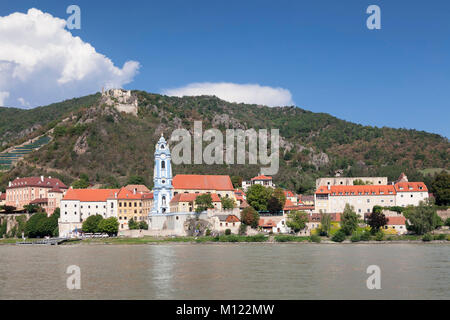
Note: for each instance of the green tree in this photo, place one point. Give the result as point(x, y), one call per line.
point(376, 220)
point(422, 219)
point(349, 220)
point(8, 209)
point(274, 206)
point(133, 225)
point(36, 226)
point(91, 224)
point(296, 220)
point(441, 188)
point(203, 202)
point(279, 194)
point(82, 183)
point(32, 208)
point(227, 203)
point(143, 225)
point(250, 217)
point(109, 226)
point(258, 196)
point(325, 224)
point(136, 180)
point(236, 181)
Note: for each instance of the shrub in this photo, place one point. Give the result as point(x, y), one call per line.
point(242, 229)
point(379, 236)
point(365, 236)
point(227, 232)
point(289, 238)
point(390, 238)
point(447, 222)
point(440, 237)
point(356, 237)
point(143, 225)
point(338, 236)
point(315, 238)
point(427, 237)
point(208, 232)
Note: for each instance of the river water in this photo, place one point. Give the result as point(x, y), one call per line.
point(226, 271)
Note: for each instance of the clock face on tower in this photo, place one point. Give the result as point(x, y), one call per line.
point(163, 181)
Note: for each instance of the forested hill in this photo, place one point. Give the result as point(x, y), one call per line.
point(110, 147)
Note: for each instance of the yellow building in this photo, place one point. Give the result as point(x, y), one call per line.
point(133, 205)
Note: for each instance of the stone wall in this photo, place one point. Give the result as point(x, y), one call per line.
point(11, 220)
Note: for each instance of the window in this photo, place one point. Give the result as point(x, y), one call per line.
point(163, 165)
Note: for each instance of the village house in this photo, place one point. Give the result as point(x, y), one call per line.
point(185, 202)
point(396, 225)
point(44, 191)
point(223, 222)
point(263, 180)
point(133, 205)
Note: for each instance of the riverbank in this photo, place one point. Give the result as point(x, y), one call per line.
point(261, 238)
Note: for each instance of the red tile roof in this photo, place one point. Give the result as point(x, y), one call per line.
point(147, 195)
point(39, 200)
point(261, 177)
point(358, 190)
point(232, 218)
point(396, 220)
point(125, 194)
point(44, 182)
point(190, 197)
point(57, 190)
point(202, 182)
point(411, 187)
point(90, 195)
point(266, 223)
point(289, 194)
point(244, 204)
point(139, 188)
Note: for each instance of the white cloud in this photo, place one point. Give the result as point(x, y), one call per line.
point(232, 92)
point(41, 62)
point(3, 96)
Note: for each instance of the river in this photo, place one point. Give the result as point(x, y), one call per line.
point(226, 271)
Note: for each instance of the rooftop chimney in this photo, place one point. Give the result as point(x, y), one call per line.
point(42, 178)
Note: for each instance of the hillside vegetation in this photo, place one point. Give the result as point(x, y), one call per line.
point(110, 147)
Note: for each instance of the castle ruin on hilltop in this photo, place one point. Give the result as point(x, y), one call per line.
point(121, 99)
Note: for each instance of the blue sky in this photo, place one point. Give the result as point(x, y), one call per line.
point(321, 51)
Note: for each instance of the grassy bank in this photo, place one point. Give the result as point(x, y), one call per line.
point(236, 239)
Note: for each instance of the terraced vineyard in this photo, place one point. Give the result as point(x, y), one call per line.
point(8, 159)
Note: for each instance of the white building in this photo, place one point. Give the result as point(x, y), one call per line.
point(79, 204)
point(263, 180)
point(410, 193)
point(332, 199)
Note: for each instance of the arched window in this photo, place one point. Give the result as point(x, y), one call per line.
point(163, 200)
point(163, 165)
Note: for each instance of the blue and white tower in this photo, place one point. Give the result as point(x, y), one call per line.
point(162, 178)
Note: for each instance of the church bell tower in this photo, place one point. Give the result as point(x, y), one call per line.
point(162, 178)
